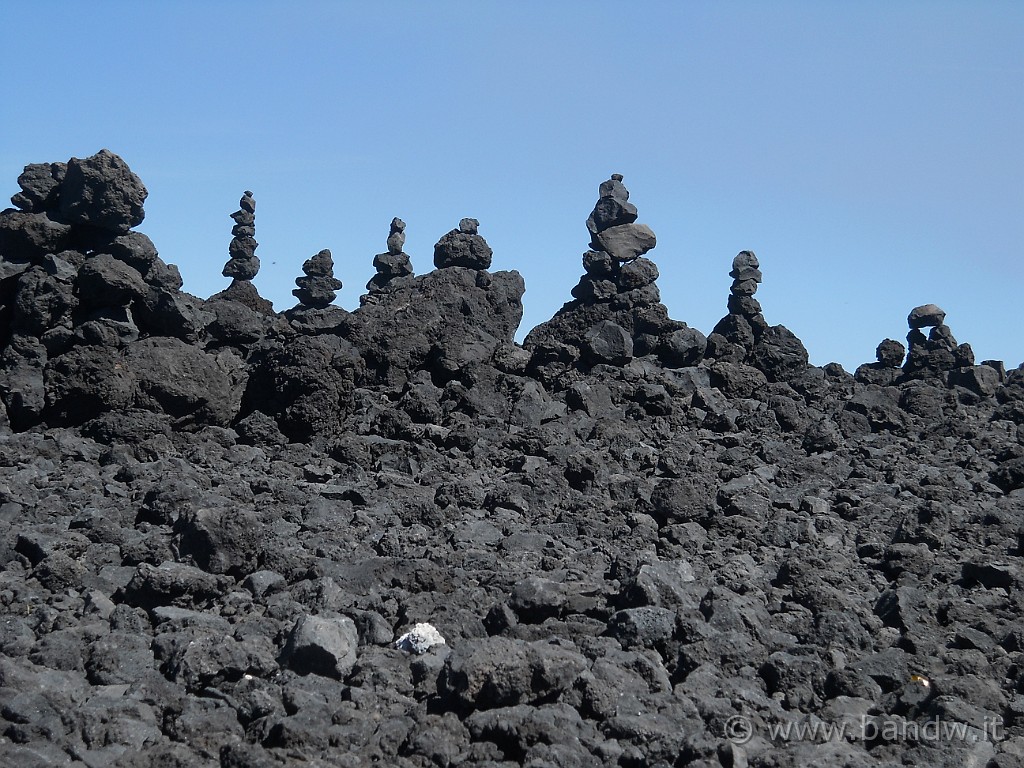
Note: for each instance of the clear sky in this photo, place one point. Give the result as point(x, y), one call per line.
point(870, 153)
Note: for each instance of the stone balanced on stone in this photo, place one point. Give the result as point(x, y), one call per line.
point(615, 263)
point(463, 247)
point(395, 262)
point(244, 264)
point(939, 351)
point(318, 286)
point(744, 323)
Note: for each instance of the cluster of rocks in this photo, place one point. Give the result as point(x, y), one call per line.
point(83, 297)
point(743, 336)
point(397, 536)
point(463, 247)
point(616, 264)
point(243, 263)
point(936, 357)
point(318, 286)
point(391, 265)
point(616, 315)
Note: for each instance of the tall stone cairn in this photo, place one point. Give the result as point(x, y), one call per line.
point(244, 264)
point(744, 323)
point(615, 264)
point(394, 263)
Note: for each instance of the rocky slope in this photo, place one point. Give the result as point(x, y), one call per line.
point(642, 546)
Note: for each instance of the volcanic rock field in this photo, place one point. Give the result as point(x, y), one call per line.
point(236, 537)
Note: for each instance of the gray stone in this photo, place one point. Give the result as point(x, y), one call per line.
point(462, 249)
point(682, 348)
point(40, 187)
point(608, 342)
point(638, 273)
point(926, 315)
point(101, 191)
point(322, 645)
point(106, 282)
point(627, 241)
point(890, 353)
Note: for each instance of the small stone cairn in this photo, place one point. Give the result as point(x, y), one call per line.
point(394, 263)
point(318, 286)
point(615, 264)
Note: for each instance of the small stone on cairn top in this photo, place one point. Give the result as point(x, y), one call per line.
point(318, 287)
point(244, 264)
point(393, 264)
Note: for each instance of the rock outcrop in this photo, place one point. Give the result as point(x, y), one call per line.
point(617, 312)
point(395, 536)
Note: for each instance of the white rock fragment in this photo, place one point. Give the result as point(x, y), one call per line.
point(420, 639)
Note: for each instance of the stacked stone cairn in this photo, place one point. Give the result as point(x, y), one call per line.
point(744, 324)
point(243, 264)
point(615, 264)
point(744, 337)
point(392, 264)
point(617, 313)
point(463, 247)
point(318, 287)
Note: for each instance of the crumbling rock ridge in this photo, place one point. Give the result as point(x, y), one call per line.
point(642, 546)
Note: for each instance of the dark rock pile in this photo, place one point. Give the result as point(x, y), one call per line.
point(617, 313)
point(463, 247)
point(318, 286)
point(220, 526)
point(743, 337)
point(392, 265)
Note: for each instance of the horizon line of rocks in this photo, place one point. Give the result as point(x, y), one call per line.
point(102, 199)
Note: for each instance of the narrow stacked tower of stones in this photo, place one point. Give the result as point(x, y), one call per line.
point(744, 323)
point(615, 263)
point(244, 264)
point(318, 287)
point(393, 264)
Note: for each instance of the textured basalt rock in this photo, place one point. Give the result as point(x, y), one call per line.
point(218, 521)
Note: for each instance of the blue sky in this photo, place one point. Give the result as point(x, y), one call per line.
point(868, 152)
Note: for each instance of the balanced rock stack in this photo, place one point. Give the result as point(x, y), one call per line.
point(318, 287)
point(744, 337)
point(393, 264)
point(463, 247)
point(744, 323)
point(938, 352)
point(615, 263)
point(244, 264)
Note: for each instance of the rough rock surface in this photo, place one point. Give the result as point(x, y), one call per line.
point(641, 546)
